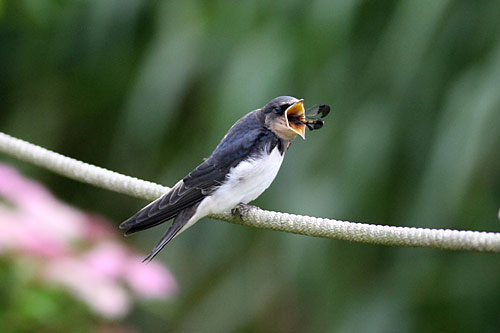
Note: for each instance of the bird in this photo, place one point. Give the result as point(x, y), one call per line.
point(240, 169)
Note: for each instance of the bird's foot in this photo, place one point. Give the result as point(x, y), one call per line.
point(242, 209)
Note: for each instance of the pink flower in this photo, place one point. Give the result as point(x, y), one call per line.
point(150, 280)
point(98, 228)
point(39, 223)
point(8, 229)
point(20, 190)
point(75, 250)
point(104, 296)
point(107, 259)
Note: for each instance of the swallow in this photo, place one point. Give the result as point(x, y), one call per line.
point(240, 169)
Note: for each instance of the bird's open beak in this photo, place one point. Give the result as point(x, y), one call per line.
point(295, 118)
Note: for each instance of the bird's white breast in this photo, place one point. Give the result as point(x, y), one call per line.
point(245, 182)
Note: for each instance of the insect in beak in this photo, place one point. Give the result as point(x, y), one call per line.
point(321, 110)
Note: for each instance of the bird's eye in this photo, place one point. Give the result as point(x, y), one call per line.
point(281, 108)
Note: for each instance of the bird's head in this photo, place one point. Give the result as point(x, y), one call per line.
point(285, 116)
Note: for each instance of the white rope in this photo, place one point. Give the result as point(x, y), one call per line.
point(305, 225)
point(78, 170)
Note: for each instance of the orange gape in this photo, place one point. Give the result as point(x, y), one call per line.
point(295, 118)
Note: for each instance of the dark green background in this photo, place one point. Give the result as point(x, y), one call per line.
point(148, 88)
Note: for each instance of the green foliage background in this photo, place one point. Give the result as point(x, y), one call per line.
point(148, 88)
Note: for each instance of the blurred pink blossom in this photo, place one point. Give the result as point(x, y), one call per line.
point(39, 224)
point(107, 259)
point(75, 250)
point(150, 280)
point(104, 296)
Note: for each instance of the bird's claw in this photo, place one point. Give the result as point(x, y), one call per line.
point(242, 209)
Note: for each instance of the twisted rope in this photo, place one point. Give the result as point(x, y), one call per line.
point(304, 225)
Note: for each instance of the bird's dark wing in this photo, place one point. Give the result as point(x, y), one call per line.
point(186, 193)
